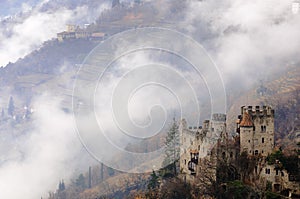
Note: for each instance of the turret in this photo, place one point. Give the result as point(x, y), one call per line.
point(256, 129)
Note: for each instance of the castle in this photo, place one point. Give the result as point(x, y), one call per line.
point(204, 149)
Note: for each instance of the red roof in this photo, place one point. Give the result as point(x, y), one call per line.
point(246, 120)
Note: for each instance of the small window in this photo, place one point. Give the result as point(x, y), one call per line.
point(185, 161)
point(223, 155)
point(262, 151)
point(253, 128)
point(277, 172)
point(282, 174)
point(256, 152)
point(231, 154)
point(262, 140)
point(249, 141)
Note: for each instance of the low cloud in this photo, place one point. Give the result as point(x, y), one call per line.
point(48, 153)
point(249, 40)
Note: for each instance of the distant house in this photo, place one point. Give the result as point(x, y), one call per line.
point(82, 34)
point(71, 28)
point(65, 35)
point(75, 32)
point(98, 35)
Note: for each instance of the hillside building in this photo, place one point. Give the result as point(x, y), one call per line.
point(205, 148)
point(75, 32)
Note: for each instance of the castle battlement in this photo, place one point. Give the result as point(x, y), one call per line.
point(258, 111)
point(220, 117)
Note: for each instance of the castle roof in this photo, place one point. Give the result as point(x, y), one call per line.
point(194, 151)
point(246, 120)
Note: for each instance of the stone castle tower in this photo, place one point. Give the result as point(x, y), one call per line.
point(256, 130)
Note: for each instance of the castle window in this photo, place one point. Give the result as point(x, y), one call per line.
point(262, 151)
point(263, 128)
point(282, 174)
point(223, 155)
point(277, 172)
point(262, 140)
point(277, 187)
point(267, 171)
point(249, 141)
point(253, 128)
point(256, 152)
point(231, 154)
point(184, 161)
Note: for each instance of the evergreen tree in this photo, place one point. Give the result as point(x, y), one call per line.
point(11, 106)
point(153, 182)
point(63, 187)
point(59, 186)
point(153, 187)
point(80, 182)
point(172, 150)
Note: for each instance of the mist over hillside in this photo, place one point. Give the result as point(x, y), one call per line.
point(254, 44)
